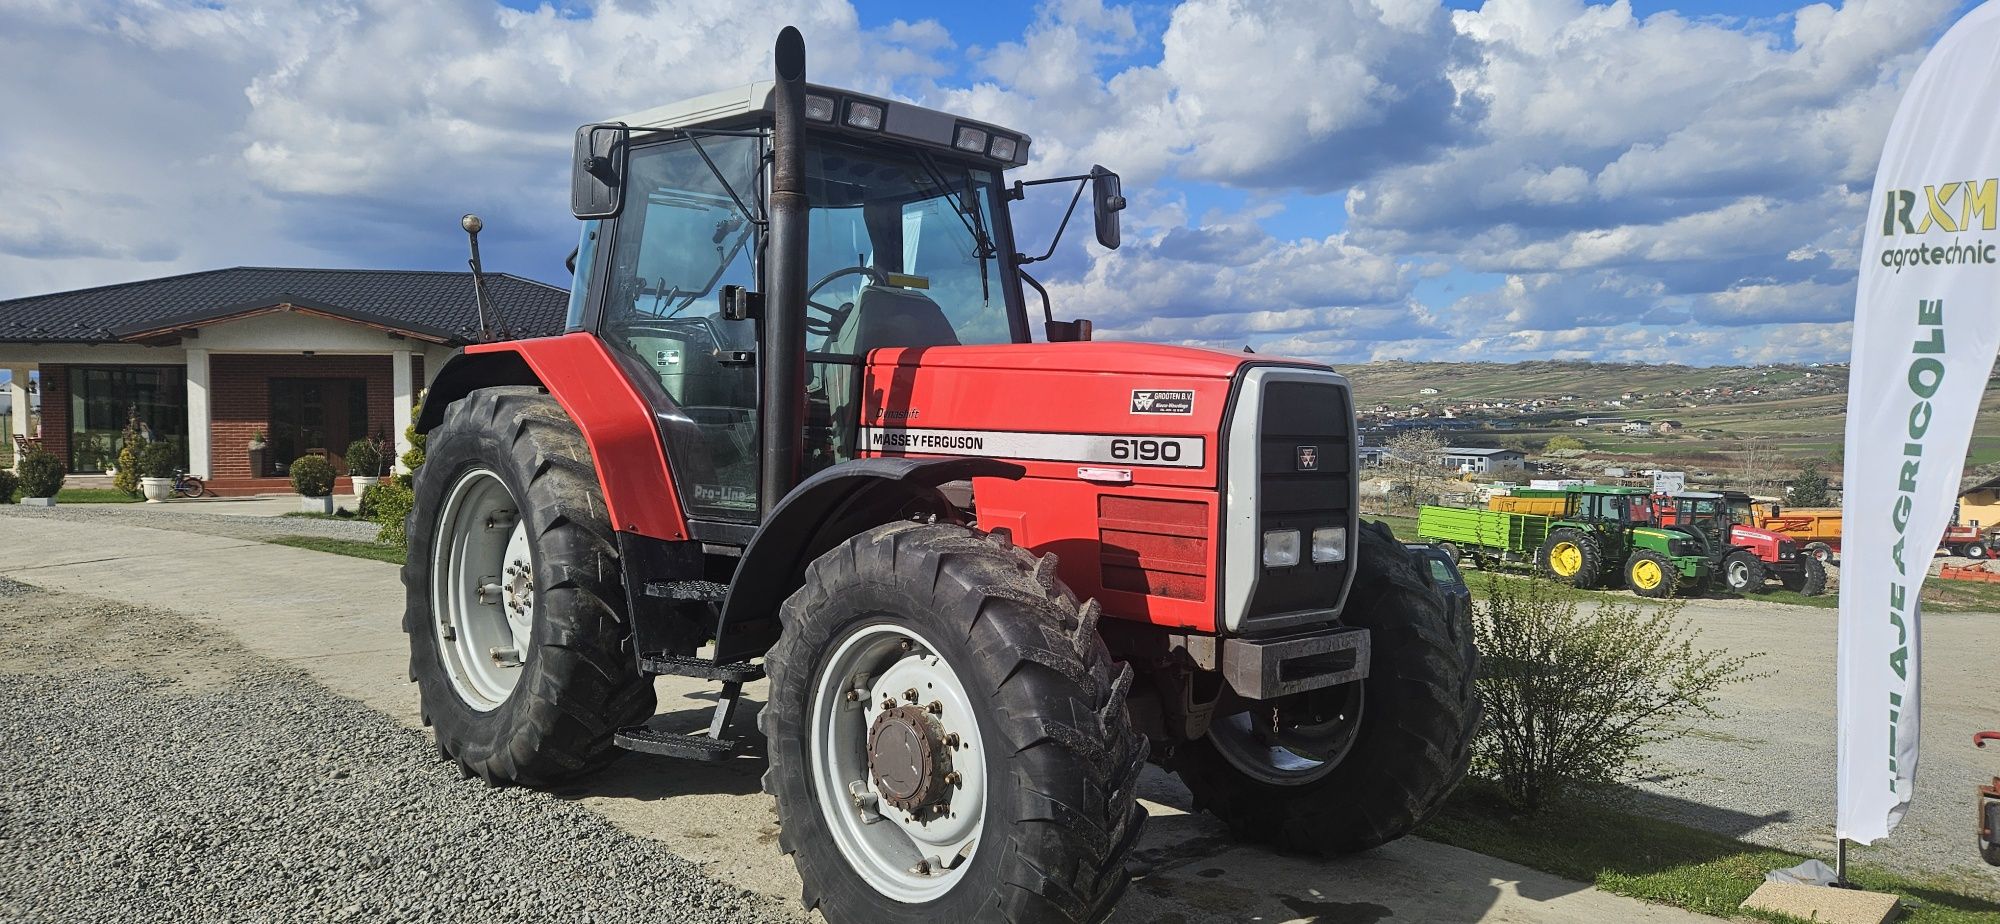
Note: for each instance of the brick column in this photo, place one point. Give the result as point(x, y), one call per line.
point(197, 414)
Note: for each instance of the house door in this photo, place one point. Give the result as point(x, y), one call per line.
point(316, 416)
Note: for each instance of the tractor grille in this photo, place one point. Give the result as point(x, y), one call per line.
point(1155, 547)
point(1299, 414)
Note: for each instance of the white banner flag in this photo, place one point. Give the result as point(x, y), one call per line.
point(1926, 327)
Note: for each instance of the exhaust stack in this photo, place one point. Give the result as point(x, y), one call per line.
point(782, 358)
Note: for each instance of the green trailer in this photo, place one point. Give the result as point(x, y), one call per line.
point(1488, 537)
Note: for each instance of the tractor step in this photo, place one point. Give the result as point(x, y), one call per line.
point(686, 746)
point(702, 668)
point(698, 591)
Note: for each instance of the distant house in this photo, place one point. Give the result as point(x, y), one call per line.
point(1427, 390)
point(1636, 426)
point(1667, 426)
point(1484, 461)
point(1599, 421)
point(1371, 456)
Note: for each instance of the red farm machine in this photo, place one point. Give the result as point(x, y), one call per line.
point(1750, 555)
point(799, 429)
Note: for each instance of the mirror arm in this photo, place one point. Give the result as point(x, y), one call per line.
point(1023, 259)
point(1048, 313)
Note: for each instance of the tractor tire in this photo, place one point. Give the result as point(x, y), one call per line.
point(1419, 712)
point(1024, 687)
point(510, 455)
point(1743, 572)
point(1573, 557)
point(1821, 551)
point(1976, 550)
point(1809, 580)
point(1650, 574)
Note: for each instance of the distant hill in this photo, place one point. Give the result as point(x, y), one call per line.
point(1396, 381)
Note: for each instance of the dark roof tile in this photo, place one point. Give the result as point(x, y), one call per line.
point(427, 301)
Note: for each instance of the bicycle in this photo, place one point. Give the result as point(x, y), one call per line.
point(186, 485)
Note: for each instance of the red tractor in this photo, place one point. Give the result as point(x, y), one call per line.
point(1750, 555)
point(798, 429)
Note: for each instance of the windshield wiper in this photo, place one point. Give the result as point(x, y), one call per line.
point(975, 221)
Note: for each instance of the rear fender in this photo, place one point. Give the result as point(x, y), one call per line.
point(615, 418)
point(825, 510)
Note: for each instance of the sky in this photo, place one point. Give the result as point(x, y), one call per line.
point(1340, 180)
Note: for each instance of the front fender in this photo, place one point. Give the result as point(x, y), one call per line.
point(822, 512)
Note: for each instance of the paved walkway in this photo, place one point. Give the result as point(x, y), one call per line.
point(338, 618)
point(255, 505)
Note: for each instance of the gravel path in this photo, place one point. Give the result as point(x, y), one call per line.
point(213, 524)
point(155, 765)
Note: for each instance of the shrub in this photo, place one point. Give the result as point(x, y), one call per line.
point(393, 502)
point(312, 476)
point(413, 458)
point(41, 473)
point(1564, 442)
point(1810, 489)
point(8, 483)
point(364, 457)
point(126, 479)
point(370, 501)
point(155, 460)
point(1575, 699)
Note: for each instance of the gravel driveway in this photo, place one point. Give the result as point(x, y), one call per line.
point(213, 524)
point(268, 798)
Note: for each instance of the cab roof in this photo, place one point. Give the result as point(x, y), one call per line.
point(908, 121)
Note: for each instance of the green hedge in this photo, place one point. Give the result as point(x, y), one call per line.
point(41, 473)
point(390, 503)
point(312, 476)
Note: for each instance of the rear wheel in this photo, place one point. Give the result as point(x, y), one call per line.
point(1450, 551)
point(1975, 550)
point(1820, 550)
point(1572, 556)
point(948, 736)
point(1380, 755)
point(1809, 579)
point(1650, 574)
point(519, 643)
point(1743, 572)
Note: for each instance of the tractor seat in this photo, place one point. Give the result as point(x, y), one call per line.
point(884, 316)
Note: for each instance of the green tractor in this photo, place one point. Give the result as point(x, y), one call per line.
point(1606, 531)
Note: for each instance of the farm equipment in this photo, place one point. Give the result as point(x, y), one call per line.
point(1748, 556)
point(1604, 533)
point(1815, 529)
point(797, 429)
point(1966, 540)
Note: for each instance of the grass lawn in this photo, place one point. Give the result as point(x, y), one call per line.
point(1660, 861)
point(95, 496)
point(351, 547)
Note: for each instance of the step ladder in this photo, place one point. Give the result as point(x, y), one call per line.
point(713, 744)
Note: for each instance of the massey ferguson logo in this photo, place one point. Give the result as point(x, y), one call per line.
point(1308, 458)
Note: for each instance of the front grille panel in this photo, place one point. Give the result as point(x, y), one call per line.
point(1290, 495)
point(1153, 546)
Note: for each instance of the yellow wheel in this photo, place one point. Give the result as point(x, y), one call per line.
point(1565, 559)
point(1650, 574)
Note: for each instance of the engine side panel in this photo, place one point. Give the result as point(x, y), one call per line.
point(1121, 468)
point(617, 424)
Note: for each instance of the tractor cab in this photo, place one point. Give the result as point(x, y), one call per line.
point(908, 244)
point(1700, 513)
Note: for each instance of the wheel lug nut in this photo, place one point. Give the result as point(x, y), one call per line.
point(910, 694)
point(853, 695)
point(888, 702)
point(935, 708)
point(951, 739)
point(952, 778)
point(904, 645)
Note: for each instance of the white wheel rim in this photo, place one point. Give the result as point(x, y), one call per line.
point(1238, 744)
point(1739, 574)
point(901, 857)
point(482, 590)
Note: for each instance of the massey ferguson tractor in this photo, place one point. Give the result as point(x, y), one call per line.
point(800, 427)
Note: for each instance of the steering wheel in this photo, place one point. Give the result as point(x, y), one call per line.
point(826, 326)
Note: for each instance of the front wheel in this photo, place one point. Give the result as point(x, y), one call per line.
point(1975, 550)
point(1743, 572)
point(1650, 574)
point(1809, 579)
point(1821, 551)
point(948, 736)
point(1383, 753)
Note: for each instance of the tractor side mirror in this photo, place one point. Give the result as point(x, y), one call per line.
point(1107, 200)
point(596, 186)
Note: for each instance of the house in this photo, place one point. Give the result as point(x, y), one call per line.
point(1484, 461)
point(1979, 500)
point(1370, 456)
point(1666, 426)
point(1427, 390)
point(311, 359)
point(1636, 426)
point(1599, 421)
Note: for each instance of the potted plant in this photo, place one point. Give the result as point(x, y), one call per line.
point(364, 464)
point(41, 477)
point(257, 454)
point(156, 471)
point(312, 477)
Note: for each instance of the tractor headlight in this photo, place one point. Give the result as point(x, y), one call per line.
point(819, 108)
point(970, 139)
point(1329, 544)
point(1003, 147)
point(1281, 548)
point(1680, 547)
point(864, 115)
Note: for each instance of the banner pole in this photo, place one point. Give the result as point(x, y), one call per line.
point(1840, 864)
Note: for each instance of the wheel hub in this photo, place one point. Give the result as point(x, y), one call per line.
point(908, 759)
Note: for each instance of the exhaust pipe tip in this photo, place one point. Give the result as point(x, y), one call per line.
point(791, 54)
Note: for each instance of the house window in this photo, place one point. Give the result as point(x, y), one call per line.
point(103, 399)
